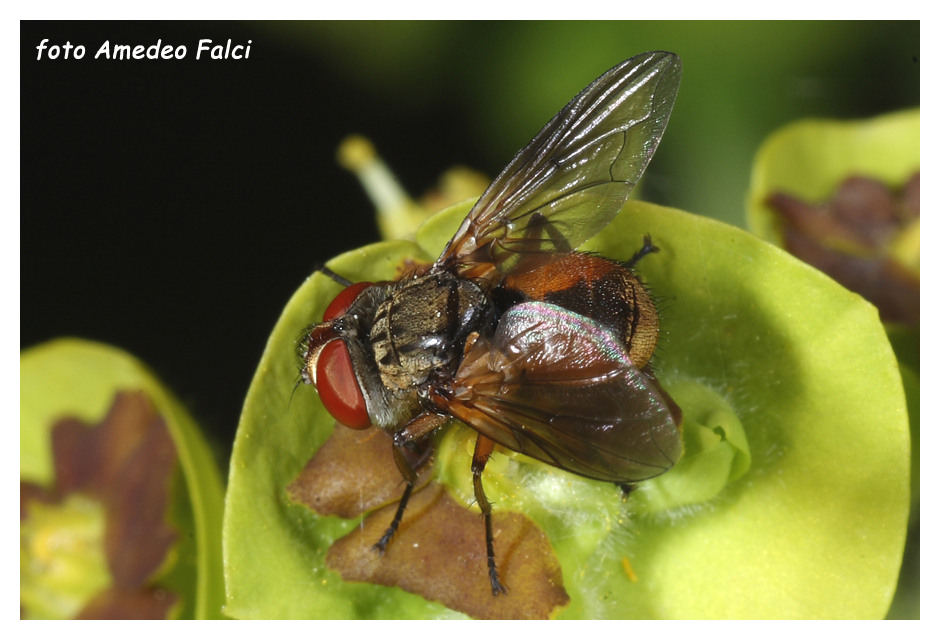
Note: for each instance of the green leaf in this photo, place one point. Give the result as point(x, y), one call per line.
point(802, 437)
point(77, 378)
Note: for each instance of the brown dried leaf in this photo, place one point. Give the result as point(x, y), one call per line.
point(861, 218)
point(89, 459)
point(866, 207)
point(878, 280)
point(127, 462)
point(910, 198)
point(118, 604)
point(137, 537)
point(849, 238)
point(812, 221)
point(439, 553)
point(352, 473)
point(30, 492)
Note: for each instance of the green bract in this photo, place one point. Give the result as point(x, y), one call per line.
point(79, 379)
point(810, 161)
point(790, 502)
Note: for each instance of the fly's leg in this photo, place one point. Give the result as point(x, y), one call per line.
point(647, 248)
point(626, 488)
point(481, 453)
point(539, 224)
point(411, 432)
point(410, 477)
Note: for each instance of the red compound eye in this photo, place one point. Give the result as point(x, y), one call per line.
point(345, 298)
point(337, 385)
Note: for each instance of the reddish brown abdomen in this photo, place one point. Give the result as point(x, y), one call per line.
point(600, 289)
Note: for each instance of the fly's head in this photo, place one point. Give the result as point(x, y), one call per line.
point(337, 358)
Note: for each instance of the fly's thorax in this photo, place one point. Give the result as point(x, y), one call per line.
point(420, 328)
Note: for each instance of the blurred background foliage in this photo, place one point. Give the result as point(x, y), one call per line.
point(740, 81)
point(172, 207)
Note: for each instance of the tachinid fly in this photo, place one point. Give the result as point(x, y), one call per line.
point(539, 348)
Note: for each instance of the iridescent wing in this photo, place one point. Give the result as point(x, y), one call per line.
point(570, 181)
point(560, 388)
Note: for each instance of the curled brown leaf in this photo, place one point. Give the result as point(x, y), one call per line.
point(439, 550)
point(849, 238)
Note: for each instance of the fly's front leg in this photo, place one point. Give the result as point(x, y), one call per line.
point(411, 432)
point(410, 477)
point(481, 453)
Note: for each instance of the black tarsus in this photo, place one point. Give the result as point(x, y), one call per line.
point(647, 248)
point(393, 527)
point(408, 442)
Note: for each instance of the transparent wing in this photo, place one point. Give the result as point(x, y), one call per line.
point(570, 181)
point(560, 388)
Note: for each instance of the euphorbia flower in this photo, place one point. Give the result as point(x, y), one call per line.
point(119, 497)
point(789, 502)
point(119, 472)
